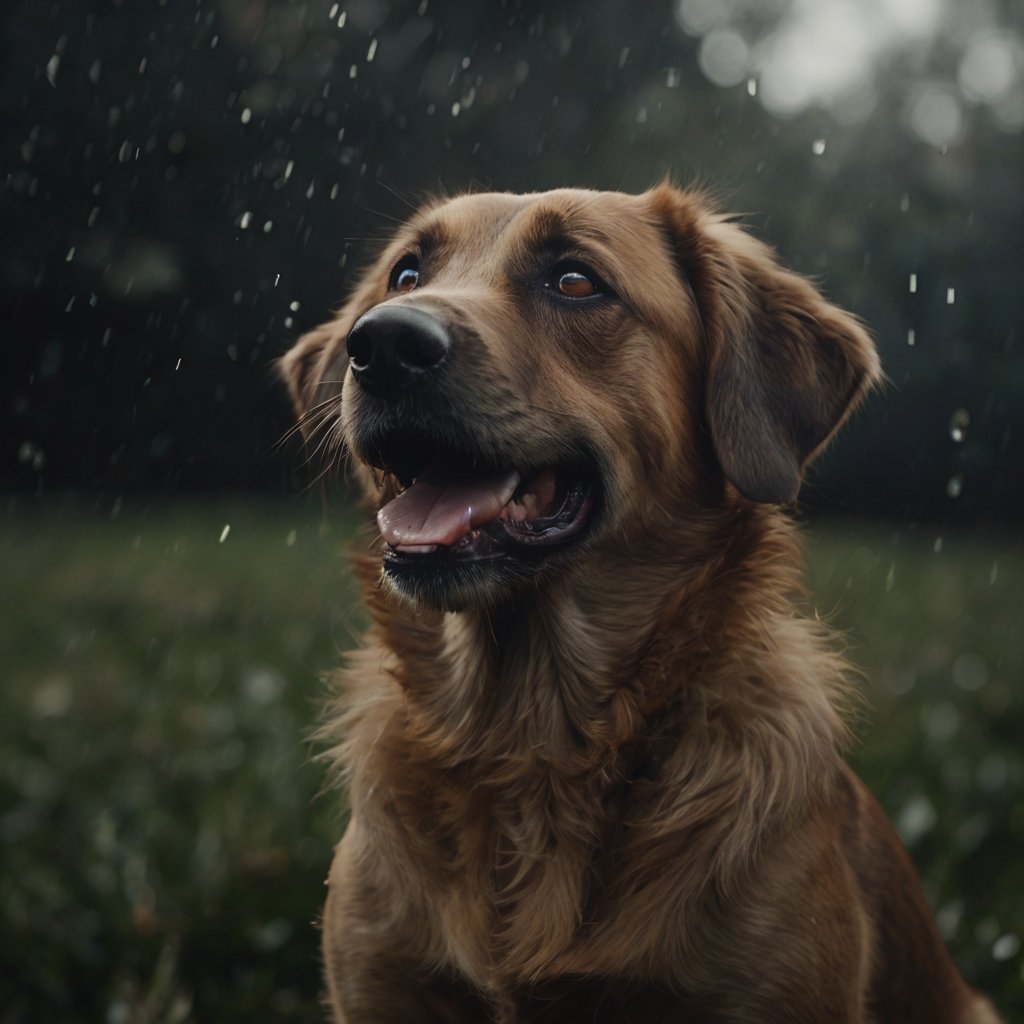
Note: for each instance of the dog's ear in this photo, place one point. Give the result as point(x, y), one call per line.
point(784, 367)
point(302, 369)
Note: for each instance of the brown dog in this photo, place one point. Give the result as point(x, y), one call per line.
point(592, 750)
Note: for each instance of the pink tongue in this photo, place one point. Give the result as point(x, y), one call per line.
point(441, 510)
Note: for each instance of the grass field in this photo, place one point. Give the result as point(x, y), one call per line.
point(163, 835)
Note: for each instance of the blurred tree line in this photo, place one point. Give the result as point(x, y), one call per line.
point(187, 186)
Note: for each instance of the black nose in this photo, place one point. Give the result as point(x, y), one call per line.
point(392, 348)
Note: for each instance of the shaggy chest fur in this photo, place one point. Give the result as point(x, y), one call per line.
point(535, 825)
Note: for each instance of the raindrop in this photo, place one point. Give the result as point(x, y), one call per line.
point(641, 116)
point(94, 71)
point(911, 336)
point(245, 220)
point(177, 365)
point(268, 227)
point(333, 12)
point(955, 485)
point(751, 86)
point(372, 51)
point(341, 19)
point(818, 147)
point(289, 541)
point(993, 574)
point(224, 533)
point(913, 283)
point(1005, 947)
point(937, 546)
point(950, 296)
point(70, 256)
point(52, 67)
point(958, 424)
point(246, 115)
point(294, 306)
point(672, 78)
point(456, 107)
point(904, 203)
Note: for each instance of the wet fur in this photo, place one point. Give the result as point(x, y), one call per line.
point(615, 792)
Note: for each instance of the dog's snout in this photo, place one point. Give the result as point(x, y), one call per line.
point(392, 348)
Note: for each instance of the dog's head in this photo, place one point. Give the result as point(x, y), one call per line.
point(521, 377)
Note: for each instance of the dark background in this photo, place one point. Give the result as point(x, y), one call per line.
point(188, 184)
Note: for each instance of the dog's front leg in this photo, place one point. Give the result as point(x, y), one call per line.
point(376, 952)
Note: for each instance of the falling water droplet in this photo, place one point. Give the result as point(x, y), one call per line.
point(958, 424)
point(818, 147)
point(955, 485)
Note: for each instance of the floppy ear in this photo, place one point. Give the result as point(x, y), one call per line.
point(302, 368)
point(784, 367)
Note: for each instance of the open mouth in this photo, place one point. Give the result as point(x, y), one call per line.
point(452, 511)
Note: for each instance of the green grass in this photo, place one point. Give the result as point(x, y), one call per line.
point(163, 838)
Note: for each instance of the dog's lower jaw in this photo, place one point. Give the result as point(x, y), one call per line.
point(474, 586)
point(445, 583)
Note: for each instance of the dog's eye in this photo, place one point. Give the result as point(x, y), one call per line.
point(576, 285)
point(406, 275)
point(575, 280)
